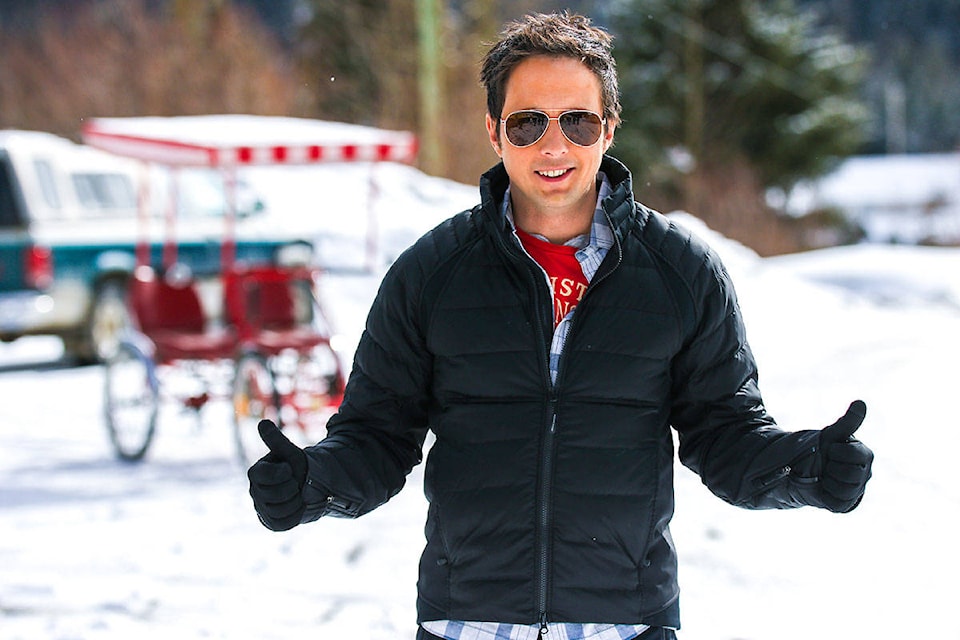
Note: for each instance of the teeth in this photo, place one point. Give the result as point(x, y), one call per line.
point(556, 173)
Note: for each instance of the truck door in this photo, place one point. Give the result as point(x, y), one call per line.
point(13, 231)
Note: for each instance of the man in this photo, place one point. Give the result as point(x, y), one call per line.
point(550, 338)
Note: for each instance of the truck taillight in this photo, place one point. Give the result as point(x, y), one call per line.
point(38, 267)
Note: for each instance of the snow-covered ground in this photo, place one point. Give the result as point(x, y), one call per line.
point(907, 198)
point(91, 548)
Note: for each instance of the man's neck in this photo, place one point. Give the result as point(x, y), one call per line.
point(556, 226)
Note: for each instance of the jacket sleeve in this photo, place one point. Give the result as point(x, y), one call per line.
point(376, 437)
point(726, 435)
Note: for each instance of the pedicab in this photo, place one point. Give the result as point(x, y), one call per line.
point(268, 351)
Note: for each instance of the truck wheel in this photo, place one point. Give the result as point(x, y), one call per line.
point(109, 318)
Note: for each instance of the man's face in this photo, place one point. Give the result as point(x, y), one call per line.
point(552, 85)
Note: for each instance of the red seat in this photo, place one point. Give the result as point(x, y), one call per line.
point(262, 304)
point(299, 338)
point(170, 314)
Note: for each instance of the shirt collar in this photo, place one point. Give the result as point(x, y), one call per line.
point(601, 235)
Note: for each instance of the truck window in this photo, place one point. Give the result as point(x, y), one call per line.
point(48, 186)
point(104, 191)
point(8, 202)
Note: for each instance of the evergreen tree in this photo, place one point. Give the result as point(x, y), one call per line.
point(713, 82)
point(359, 61)
point(913, 86)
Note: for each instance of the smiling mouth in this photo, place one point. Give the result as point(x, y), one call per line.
point(553, 173)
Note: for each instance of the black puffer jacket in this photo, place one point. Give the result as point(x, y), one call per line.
point(552, 502)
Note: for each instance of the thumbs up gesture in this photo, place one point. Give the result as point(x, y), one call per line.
point(845, 461)
point(277, 480)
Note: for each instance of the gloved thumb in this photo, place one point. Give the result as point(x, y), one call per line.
point(281, 448)
point(845, 427)
point(278, 443)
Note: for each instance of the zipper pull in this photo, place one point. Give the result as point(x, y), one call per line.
point(544, 629)
point(772, 477)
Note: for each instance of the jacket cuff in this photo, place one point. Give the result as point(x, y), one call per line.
point(790, 474)
point(320, 501)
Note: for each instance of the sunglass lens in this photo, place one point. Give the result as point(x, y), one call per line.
point(523, 128)
point(581, 127)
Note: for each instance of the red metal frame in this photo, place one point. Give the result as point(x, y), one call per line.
point(260, 303)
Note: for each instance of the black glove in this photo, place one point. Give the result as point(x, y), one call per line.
point(277, 480)
point(845, 461)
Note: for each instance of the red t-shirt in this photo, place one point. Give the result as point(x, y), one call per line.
point(562, 267)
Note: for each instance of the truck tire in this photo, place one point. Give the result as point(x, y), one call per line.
point(109, 317)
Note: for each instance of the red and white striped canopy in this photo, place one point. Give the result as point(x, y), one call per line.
point(242, 140)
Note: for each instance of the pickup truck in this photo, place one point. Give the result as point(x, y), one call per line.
point(72, 218)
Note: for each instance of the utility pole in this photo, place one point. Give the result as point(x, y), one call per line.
point(431, 85)
point(694, 107)
point(895, 113)
point(195, 17)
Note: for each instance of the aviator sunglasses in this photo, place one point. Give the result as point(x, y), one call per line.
point(524, 128)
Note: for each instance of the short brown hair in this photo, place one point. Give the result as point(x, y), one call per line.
point(555, 34)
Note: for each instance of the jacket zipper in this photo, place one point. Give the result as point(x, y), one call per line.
point(546, 487)
point(544, 629)
point(773, 477)
point(546, 473)
point(546, 460)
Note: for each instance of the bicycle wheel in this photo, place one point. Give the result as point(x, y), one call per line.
point(131, 399)
point(311, 387)
point(255, 397)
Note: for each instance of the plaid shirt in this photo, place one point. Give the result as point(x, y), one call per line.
point(592, 250)
point(453, 630)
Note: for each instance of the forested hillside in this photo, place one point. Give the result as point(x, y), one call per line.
point(913, 86)
point(725, 98)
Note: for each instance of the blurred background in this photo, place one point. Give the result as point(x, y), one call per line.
point(785, 126)
point(739, 111)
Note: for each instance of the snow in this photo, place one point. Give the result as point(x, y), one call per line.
point(96, 549)
point(909, 199)
point(884, 181)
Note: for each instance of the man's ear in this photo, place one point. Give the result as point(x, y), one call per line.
point(608, 135)
point(493, 131)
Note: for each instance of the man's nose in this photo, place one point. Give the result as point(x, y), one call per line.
point(553, 140)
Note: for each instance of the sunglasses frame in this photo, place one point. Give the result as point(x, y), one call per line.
point(503, 123)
